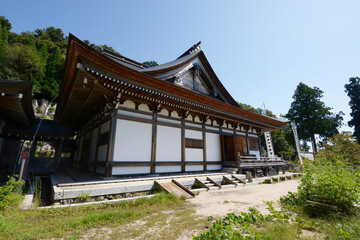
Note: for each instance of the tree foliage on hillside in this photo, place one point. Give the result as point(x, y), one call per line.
point(353, 91)
point(33, 56)
point(311, 115)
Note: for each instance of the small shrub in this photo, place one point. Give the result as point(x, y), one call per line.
point(182, 197)
point(11, 194)
point(334, 182)
point(197, 193)
point(83, 198)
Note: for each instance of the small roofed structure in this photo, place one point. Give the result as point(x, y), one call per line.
point(18, 123)
point(176, 117)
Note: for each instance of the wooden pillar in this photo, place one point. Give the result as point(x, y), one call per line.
point(183, 116)
point(58, 151)
point(155, 109)
point(111, 146)
point(204, 143)
point(266, 171)
point(220, 123)
point(253, 172)
point(247, 143)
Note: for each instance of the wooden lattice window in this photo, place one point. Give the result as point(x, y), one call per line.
point(193, 143)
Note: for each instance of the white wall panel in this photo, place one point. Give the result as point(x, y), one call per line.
point(130, 170)
point(144, 107)
point(193, 125)
point(213, 147)
point(102, 153)
point(168, 145)
point(164, 112)
point(193, 134)
point(174, 114)
point(194, 168)
point(193, 154)
point(214, 167)
point(129, 104)
point(165, 169)
point(93, 141)
point(240, 133)
point(212, 128)
point(160, 119)
point(132, 141)
point(133, 114)
point(228, 131)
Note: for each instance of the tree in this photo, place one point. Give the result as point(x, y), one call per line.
point(342, 146)
point(283, 140)
point(311, 115)
point(150, 64)
point(353, 91)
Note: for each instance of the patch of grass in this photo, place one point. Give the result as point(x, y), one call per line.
point(197, 193)
point(83, 198)
point(226, 201)
point(71, 221)
point(182, 198)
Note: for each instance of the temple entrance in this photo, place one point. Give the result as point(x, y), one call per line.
point(232, 145)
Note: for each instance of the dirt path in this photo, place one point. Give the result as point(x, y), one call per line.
point(182, 223)
point(219, 203)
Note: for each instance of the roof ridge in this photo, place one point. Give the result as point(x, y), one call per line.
point(195, 47)
point(122, 58)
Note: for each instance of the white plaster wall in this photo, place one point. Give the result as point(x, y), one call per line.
point(164, 112)
point(129, 104)
point(102, 153)
point(193, 154)
point(193, 125)
point(133, 114)
point(105, 127)
point(213, 148)
point(168, 144)
point(228, 131)
point(132, 141)
point(174, 114)
point(164, 169)
point(130, 170)
point(194, 168)
point(257, 153)
point(240, 133)
point(197, 119)
point(214, 167)
point(144, 107)
point(160, 119)
point(212, 128)
point(93, 141)
point(193, 134)
point(189, 117)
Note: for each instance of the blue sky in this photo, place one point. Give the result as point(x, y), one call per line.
point(260, 50)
